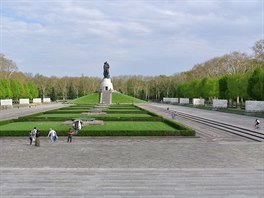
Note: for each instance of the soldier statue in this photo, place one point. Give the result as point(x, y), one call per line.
point(106, 70)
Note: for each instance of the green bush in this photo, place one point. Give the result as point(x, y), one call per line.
point(106, 133)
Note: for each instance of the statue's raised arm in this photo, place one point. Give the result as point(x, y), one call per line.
point(106, 70)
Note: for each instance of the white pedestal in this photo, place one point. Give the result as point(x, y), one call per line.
point(106, 85)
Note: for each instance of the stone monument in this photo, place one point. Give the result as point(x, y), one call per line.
point(106, 86)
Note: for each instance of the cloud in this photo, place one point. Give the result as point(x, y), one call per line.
point(63, 35)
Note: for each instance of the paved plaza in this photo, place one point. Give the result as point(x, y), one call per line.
point(115, 167)
point(131, 167)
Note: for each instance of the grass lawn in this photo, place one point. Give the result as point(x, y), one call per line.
point(122, 120)
point(111, 125)
point(88, 99)
point(124, 110)
point(77, 107)
point(122, 98)
point(66, 111)
point(116, 98)
point(42, 126)
point(76, 115)
point(130, 126)
point(122, 106)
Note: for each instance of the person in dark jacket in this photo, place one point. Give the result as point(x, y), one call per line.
point(30, 137)
point(37, 143)
point(70, 133)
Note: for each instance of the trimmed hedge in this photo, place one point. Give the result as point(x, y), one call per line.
point(107, 133)
point(22, 119)
point(5, 122)
point(125, 112)
point(65, 111)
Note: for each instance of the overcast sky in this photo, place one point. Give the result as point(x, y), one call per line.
point(136, 37)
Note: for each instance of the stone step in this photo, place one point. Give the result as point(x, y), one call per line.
point(82, 182)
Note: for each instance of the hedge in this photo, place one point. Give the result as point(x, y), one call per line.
point(107, 133)
point(24, 119)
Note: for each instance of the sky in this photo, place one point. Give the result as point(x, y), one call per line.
point(136, 37)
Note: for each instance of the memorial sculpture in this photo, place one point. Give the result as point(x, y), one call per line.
point(106, 70)
point(106, 86)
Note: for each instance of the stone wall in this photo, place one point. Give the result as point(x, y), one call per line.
point(24, 101)
point(171, 100)
point(166, 99)
point(46, 100)
point(6, 103)
point(198, 101)
point(219, 103)
point(37, 100)
point(184, 101)
point(174, 100)
point(254, 106)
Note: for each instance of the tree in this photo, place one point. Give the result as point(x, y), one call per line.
point(33, 91)
point(16, 88)
point(255, 87)
point(42, 83)
point(63, 85)
point(71, 92)
point(7, 67)
point(53, 95)
point(7, 92)
point(209, 88)
point(223, 87)
point(258, 49)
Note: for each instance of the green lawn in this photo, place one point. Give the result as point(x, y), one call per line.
point(130, 126)
point(122, 98)
point(76, 115)
point(66, 111)
point(110, 125)
point(88, 99)
point(117, 98)
point(132, 121)
point(124, 110)
point(77, 107)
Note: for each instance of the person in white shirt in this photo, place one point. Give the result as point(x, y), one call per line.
point(53, 135)
point(257, 123)
point(77, 126)
point(33, 135)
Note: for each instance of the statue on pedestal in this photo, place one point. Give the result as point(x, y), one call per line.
point(106, 70)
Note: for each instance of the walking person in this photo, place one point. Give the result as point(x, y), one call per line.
point(33, 135)
point(37, 143)
point(173, 115)
point(257, 123)
point(53, 135)
point(30, 137)
point(70, 133)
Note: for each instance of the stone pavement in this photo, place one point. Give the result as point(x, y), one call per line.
point(233, 119)
point(145, 183)
point(115, 167)
point(131, 167)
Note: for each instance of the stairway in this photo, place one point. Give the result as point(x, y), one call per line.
point(106, 97)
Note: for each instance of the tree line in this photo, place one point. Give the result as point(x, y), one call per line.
point(236, 76)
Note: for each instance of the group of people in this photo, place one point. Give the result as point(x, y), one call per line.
point(35, 133)
point(34, 137)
